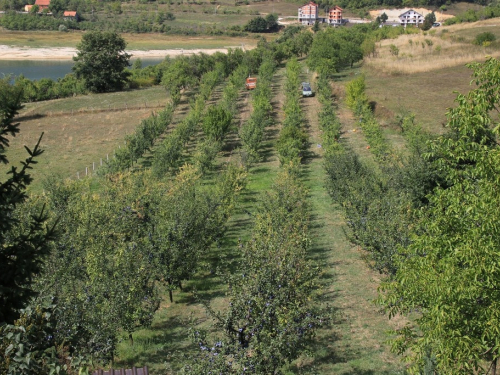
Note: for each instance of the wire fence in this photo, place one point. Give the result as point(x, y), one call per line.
point(34, 114)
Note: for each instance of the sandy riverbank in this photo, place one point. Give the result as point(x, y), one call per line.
point(65, 53)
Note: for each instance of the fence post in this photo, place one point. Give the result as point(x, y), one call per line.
point(93, 165)
point(107, 157)
point(78, 175)
point(101, 162)
point(86, 171)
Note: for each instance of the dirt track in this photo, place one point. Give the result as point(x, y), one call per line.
point(67, 53)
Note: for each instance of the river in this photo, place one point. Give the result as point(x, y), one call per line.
point(37, 69)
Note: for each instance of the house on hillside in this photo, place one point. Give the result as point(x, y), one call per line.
point(70, 15)
point(335, 16)
point(411, 18)
point(308, 14)
point(42, 4)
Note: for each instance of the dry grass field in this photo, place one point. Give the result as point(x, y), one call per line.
point(420, 53)
point(74, 141)
point(427, 73)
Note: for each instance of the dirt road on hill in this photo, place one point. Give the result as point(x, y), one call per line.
point(394, 14)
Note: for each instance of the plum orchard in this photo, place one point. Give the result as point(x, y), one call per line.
point(272, 310)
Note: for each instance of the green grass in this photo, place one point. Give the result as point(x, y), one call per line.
point(150, 97)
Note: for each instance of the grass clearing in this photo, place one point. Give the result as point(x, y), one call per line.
point(426, 95)
point(74, 141)
point(150, 97)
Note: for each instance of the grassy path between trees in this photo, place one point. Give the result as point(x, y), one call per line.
point(355, 344)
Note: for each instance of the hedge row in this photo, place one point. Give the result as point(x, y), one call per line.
point(252, 132)
point(379, 204)
point(328, 120)
point(356, 99)
point(292, 141)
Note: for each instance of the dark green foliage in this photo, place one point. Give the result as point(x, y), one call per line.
point(429, 20)
point(483, 38)
point(256, 25)
point(216, 123)
point(186, 219)
point(336, 48)
point(15, 21)
point(24, 240)
point(315, 27)
point(28, 347)
point(272, 22)
point(379, 203)
point(57, 7)
point(101, 61)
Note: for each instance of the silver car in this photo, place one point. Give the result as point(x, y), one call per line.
point(306, 89)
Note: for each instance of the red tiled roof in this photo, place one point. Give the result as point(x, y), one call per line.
point(42, 2)
point(69, 13)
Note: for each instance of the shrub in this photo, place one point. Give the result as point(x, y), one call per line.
point(484, 38)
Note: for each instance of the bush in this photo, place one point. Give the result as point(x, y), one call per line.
point(484, 38)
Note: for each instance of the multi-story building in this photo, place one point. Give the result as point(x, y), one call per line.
point(335, 16)
point(308, 14)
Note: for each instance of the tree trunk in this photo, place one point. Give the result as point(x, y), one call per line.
point(494, 367)
point(131, 339)
point(170, 291)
